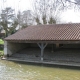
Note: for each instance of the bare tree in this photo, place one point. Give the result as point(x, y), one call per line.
point(19, 14)
point(25, 18)
point(46, 11)
point(71, 3)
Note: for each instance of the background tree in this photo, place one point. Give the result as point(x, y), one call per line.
point(45, 11)
point(25, 18)
point(19, 15)
point(7, 19)
point(48, 11)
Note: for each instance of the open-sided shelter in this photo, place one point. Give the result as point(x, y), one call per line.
point(42, 36)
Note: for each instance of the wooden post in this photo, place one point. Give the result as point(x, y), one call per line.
point(57, 45)
point(52, 49)
point(42, 46)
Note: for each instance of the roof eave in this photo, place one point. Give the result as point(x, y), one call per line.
point(46, 41)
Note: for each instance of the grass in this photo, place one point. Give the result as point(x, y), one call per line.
point(1, 51)
point(1, 41)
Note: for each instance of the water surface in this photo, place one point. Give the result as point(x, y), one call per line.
point(17, 71)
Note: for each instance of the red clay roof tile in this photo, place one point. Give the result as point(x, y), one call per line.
point(48, 32)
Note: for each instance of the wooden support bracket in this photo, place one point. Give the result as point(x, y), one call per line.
point(42, 46)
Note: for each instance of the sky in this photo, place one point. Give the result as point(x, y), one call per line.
point(68, 16)
point(17, 4)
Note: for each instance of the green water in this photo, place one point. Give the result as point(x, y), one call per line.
point(18, 71)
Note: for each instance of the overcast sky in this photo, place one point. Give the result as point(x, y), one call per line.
point(17, 4)
point(70, 16)
point(66, 16)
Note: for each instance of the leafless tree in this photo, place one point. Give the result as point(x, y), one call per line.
point(47, 11)
point(25, 18)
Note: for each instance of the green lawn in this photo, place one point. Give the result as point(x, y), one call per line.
point(1, 41)
point(1, 51)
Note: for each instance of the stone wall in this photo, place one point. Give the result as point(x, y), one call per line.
point(10, 48)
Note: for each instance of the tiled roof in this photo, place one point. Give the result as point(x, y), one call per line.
point(48, 32)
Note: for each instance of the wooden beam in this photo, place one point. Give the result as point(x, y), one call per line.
point(47, 41)
point(42, 46)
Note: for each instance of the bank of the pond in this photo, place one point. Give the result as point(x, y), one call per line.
point(18, 71)
point(68, 57)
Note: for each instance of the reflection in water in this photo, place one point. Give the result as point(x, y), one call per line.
point(17, 71)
